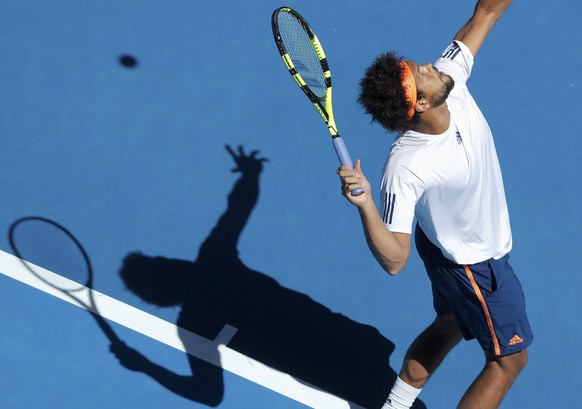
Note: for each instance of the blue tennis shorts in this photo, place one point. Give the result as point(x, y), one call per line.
point(486, 298)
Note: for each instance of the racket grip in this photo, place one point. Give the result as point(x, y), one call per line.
point(344, 158)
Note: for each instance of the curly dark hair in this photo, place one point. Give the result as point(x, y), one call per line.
point(382, 94)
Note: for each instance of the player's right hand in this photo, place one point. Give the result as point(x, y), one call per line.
point(353, 179)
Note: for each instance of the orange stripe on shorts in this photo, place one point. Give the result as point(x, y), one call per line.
point(485, 309)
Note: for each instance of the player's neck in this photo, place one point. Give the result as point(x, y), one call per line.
point(434, 121)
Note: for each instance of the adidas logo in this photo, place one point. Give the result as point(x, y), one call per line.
point(515, 340)
point(459, 139)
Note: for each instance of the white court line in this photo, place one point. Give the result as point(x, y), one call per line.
point(185, 341)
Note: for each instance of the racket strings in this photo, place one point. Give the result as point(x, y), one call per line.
point(302, 53)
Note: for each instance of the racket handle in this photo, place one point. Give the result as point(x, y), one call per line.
point(344, 158)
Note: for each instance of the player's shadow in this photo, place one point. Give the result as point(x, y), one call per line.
point(277, 326)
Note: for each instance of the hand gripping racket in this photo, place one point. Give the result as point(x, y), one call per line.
point(55, 256)
point(303, 56)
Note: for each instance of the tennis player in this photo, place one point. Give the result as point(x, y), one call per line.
point(443, 171)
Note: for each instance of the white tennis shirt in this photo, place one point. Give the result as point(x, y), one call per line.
point(450, 182)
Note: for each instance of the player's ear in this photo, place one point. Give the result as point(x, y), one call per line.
point(422, 105)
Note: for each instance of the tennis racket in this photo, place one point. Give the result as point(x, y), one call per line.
point(303, 56)
point(51, 252)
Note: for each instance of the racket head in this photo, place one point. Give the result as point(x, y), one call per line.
point(302, 53)
point(305, 59)
point(52, 253)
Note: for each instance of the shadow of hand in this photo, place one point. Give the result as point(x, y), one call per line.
point(246, 164)
point(128, 357)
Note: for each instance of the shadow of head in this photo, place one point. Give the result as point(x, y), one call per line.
point(159, 280)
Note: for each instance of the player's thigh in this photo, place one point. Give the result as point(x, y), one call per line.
point(446, 326)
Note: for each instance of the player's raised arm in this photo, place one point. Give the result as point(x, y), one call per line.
point(486, 14)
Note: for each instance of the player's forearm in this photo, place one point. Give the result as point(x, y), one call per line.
point(494, 8)
point(383, 244)
point(476, 30)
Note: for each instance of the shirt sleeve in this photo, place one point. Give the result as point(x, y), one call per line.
point(457, 61)
point(400, 192)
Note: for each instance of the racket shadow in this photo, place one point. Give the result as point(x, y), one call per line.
point(42, 245)
point(277, 326)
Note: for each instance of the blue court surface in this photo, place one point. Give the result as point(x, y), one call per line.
point(268, 295)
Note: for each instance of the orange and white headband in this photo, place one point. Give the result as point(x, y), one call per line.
point(409, 86)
